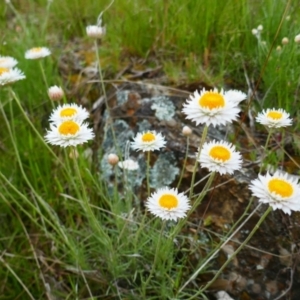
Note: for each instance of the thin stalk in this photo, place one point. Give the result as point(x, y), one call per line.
point(43, 74)
point(40, 137)
point(104, 93)
point(17, 278)
point(155, 257)
point(184, 162)
point(262, 218)
point(217, 250)
point(203, 137)
point(181, 223)
point(148, 173)
point(87, 207)
point(266, 146)
point(45, 205)
point(19, 18)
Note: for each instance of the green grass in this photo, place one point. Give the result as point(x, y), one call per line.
point(64, 232)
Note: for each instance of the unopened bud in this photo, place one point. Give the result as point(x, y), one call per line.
point(254, 31)
point(285, 41)
point(186, 131)
point(55, 93)
point(297, 39)
point(112, 159)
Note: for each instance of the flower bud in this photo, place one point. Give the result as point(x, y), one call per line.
point(186, 131)
point(112, 159)
point(55, 93)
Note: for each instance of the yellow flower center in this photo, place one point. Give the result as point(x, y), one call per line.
point(220, 153)
point(36, 49)
point(3, 70)
point(148, 137)
point(280, 187)
point(168, 201)
point(68, 127)
point(275, 115)
point(212, 100)
point(68, 112)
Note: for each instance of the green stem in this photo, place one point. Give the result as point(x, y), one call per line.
point(105, 97)
point(43, 74)
point(266, 147)
point(184, 162)
point(53, 217)
point(217, 250)
point(157, 250)
point(100, 233)
point(262, 218)
point(41, 138)
point(148, 173)
point(204, 134)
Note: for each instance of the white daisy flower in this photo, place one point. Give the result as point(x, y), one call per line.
point(274, 118)
point(220, 157)
point(10, 75)
point(148, 141)
point(7, 62)
point(69, 112)
point(128, 164)
point(213, 107)
point(95, 31)
point(55, 93)
point(68, 133)
point(168, 204)
point(37, 52)
point(280, 191)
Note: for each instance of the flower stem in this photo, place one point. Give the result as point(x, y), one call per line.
point(262, 218)
point(266, 147)
point(203, 137)
point(148, 173)
point(184, 162)
point(219, 248)
point(155, 257)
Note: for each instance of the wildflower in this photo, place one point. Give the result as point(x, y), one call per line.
point(95, 31)
point(285, 41)
point(213, 107)
point(220, 157)
point(186, 131)
point(10, 75)
point(297, 39)
point(55, 93)
point(7, 62)
point(68, 133)
point(168, 204)
point(37, 52)
point(280, 191)
point(128, 164)
point(69, 112)
point(148, 141)
point(274, 118)
point(278, 48)
point(112, 159)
